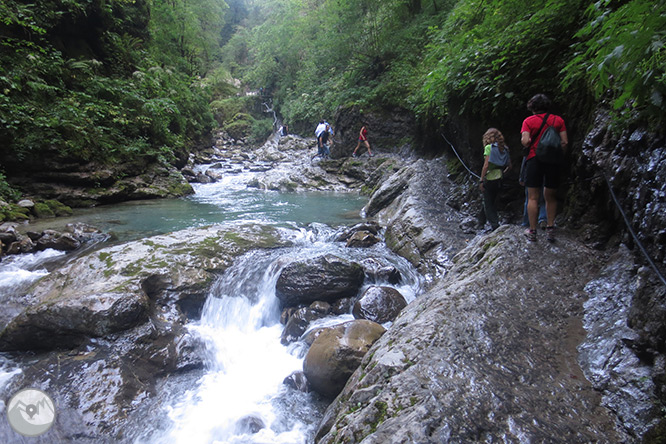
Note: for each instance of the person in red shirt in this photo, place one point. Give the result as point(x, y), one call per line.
point(363, 138)
point(541, 174)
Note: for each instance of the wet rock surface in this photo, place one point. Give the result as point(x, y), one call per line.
point(488, 353)
point(420, 224)
point(108, 328)
point(325, 278)
point(379, 304)
point(73, 237)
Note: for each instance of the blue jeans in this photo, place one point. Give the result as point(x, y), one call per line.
point(542, 210)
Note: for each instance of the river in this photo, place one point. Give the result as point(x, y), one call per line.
point(240, 390)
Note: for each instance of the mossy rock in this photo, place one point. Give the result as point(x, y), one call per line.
point(14, 212)
point(181, 189)
point(59, 208)
point(42, 210)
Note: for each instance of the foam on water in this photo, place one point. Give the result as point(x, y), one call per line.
point(19, 270)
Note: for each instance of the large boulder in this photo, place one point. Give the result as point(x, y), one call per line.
point(390, 130)
point(323, 278)
point(336, 353)
point(67, 322)
point(379, 304)
point(111, 289)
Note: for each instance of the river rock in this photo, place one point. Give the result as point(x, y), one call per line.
point(214, 174)
point(297, 324)
point(342, 306)
point(336, 353)
point(323, 278)
point(362, 239)
point(113, 285)
point(250, 424)
point(23, 244)
point(8, 234)
point(84, 232)
point(57, 241)
point(388, 191)
point(297, 381)
point(370, 226)
point(67, 322)
point(376, 272)
point(25, 203)
point(379, 304)
point(420, 226)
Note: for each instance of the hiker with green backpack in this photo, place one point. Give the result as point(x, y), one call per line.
point(544, 135)
point(496, 163)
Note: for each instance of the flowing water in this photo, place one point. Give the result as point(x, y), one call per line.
point(241, 390)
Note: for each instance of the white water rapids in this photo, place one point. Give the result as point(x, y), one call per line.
point(245, 361)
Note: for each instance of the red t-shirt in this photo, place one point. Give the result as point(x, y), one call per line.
point(532, 125)
point(364, 134)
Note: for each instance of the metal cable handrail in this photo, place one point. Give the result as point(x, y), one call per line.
point(617, 204)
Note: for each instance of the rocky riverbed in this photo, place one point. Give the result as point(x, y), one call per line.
point(510, 342)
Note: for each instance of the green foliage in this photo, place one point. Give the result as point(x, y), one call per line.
point(185, 33)
point(239, 126)
point(7, 192)
point(479, 58)
point(622, 52)
point(261, 129)
point(314, 56)
point(490, 57)
point(109, 97)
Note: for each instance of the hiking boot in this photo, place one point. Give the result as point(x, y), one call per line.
point(371, 155)
point(354, 155)
point(550, 234)
point(530, 235)
point(542, 224)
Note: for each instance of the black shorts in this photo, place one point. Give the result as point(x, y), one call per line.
point(542, 174)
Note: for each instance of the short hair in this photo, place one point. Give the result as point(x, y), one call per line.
point(493, 135)
point(539, 103)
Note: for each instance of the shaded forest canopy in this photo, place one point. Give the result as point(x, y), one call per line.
point(112, 80)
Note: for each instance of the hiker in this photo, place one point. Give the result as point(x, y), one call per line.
point(322, 141)
point(496, 163)
point(542, 202)
point(538, 173)
point(320, 129)
point(363, 138)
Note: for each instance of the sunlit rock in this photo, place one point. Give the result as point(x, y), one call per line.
point(336, 353)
